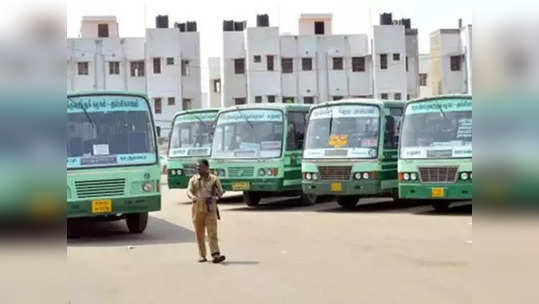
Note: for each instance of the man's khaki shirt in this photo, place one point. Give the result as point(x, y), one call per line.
point(200, 188)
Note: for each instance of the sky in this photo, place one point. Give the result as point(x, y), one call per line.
point(349, 17)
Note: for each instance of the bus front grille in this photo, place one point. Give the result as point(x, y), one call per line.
point(438, 174)
point(190, 169)
point(334, 172)
point(241, 172)
point(100, 188)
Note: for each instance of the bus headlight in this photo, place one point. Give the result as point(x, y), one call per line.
point(366, 175)
point(406, 176)
point(261, 172)
point(172, 172)
point(413, 176)
point(464, 176)
point(308, 176)
point(315, 176)
point(148, 186)
point(179, 172)
point(357, 175)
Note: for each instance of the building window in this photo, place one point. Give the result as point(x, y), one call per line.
point(240, 101)
point(114, 67)
point(269, 58)
point(137, 68)
point(396, 57)
point(358, 64)
point(102, 30)
point(271, 98)
point(287, 65)
point(383, 61)
point(257, 58)
point(384, 96)
point(186, 68)
point(82, 68)
point(170, 60)
point(157, 105)
point(423, 79)
point(319, 28)
point(258, 99)
point(171, 101)
point(337, 63)
point(337, 97)
point(157, 65)
point(217, 85)
point(307, 64)
point(239, 66)
point(186, 103)
point(288, 100)
point(406, 63)
point(308, 100)
point(397, 96)
point(455, 63)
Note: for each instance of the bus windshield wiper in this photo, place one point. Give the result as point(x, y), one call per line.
point(330, 122)
point(85, 112)
point(201, 121)
point(247, 120)
point(441, 109)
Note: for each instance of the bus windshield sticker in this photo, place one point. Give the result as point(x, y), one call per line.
point(194, 117)
point(434, 106)
point(338, 141)
point(104, 160)
point(105, 104)
point(270, 145)
point(464, 128)
point(345, 111)
point(251, 115)
point(101, 149)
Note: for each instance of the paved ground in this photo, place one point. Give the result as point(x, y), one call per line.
point(280, 252)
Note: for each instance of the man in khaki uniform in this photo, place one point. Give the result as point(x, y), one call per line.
point(204, 190)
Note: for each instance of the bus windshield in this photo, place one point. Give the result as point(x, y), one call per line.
point(109, 130)
point(437, 129)
point(247, 133)
point(343, 131)
point(192, 135)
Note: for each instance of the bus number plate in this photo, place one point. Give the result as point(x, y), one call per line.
point(336, 187)
point(438, 192)
point(240, 186)
point(101, 206)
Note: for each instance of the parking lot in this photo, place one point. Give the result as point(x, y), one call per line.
point(280, 252)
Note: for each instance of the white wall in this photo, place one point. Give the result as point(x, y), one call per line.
point(412, 53)
point(424, 67)
point(233, 85)
point(389, 39)
point(453, 82)
point(214, 98)
point(466, 39)
point(306, 23)
point(89, 26)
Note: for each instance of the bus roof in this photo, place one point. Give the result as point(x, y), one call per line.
point(97, 93)
point(193, 111)
point(357, 100)
point(276, 106)
point(445, 96)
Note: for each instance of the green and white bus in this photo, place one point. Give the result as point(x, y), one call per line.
point(351, 150)
point(190, 139)
point(112, 159)
point(435, 160)
point(257, 149)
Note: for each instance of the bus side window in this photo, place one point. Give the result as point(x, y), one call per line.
point(389, 133)
point(296, 130)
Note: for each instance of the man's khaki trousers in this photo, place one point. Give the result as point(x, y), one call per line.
point(205, 221)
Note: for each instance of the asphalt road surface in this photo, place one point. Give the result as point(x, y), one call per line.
point(280, 252)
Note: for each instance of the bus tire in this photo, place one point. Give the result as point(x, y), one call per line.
point(252, 198)
point(348, 201)
point(309, 199)
point(137, 222)
point(440, 206)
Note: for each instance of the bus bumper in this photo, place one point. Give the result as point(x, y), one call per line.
point(425, 191)
point(83, 208)
point(366, 187)
point(178, 181)
point(258, 185)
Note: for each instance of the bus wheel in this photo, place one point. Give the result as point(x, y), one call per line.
point(309, 199)
point(440, 206)
point(136, 222)
point(348, 201)
point(251, 198)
